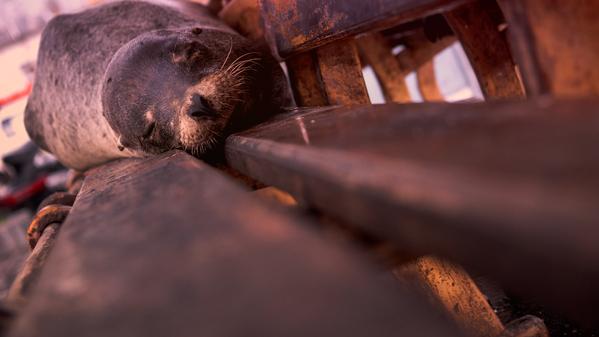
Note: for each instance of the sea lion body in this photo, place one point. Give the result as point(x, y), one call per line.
point(135, 78)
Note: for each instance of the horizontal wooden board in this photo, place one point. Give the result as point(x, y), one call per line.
point(509, 188)
point(293, 26)
point(167, 246)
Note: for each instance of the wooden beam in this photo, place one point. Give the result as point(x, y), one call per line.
point(167, 245)
point(486, 48)
point(508, 188)
point(341, 73)
point(452, 288)
point(375, 50)
point(295, 26)
point(305, 80)
point(556, 45)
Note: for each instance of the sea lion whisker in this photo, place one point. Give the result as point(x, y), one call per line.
point(228, 54)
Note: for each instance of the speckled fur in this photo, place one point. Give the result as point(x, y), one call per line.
point(101, 74)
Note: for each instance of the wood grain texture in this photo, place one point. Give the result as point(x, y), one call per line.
point(487, 49)
point(555, 44)
point(167, 246)
point(304, 77)
point(377, 53)
point(294, 26)
point(341, 73)
point(450, 287)
point(508, 188)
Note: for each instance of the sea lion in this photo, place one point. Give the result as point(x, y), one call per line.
point(135, 78)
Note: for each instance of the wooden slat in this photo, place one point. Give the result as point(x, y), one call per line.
point(341, 73)
point(167, 246)
point(555, 44)
point(376, 51)
point(486, 48)
point(427, 83)
point(509, 188)
point(305, 80)
point(294, 26)
point(453, 289)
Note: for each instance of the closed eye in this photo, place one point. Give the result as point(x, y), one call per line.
point(149, 130)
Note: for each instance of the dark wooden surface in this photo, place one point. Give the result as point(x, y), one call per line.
point(486, 47)
point(298, 25)
point(555, 44)
point(341, 73)
point(168, 246)
point(304, 77)
point(509, 188)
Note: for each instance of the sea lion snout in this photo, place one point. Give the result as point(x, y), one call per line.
point(200, 108)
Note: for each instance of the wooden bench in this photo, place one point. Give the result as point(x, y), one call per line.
point(506, 188)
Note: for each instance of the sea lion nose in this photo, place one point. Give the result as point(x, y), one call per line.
point(200, 108)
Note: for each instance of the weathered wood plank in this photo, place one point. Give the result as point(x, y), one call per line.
point(341, 73)
point(305, 80)
point(376, 51)
point(509, 188)
point(166, 245)
point(299, 25)
point(555, 44)
point(452, 288)
point(486, 48)
point(448, 286)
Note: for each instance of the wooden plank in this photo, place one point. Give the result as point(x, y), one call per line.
point(294, 26)
point(453, 289)
point(427, 83)
point(341, 73)
point(305, 80)
point(486, 48)
point(166, 245)
point(555, 44)
point(375, 50)
point(508, 188)
point(447, 285)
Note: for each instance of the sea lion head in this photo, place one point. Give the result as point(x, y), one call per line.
point(179, 89)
